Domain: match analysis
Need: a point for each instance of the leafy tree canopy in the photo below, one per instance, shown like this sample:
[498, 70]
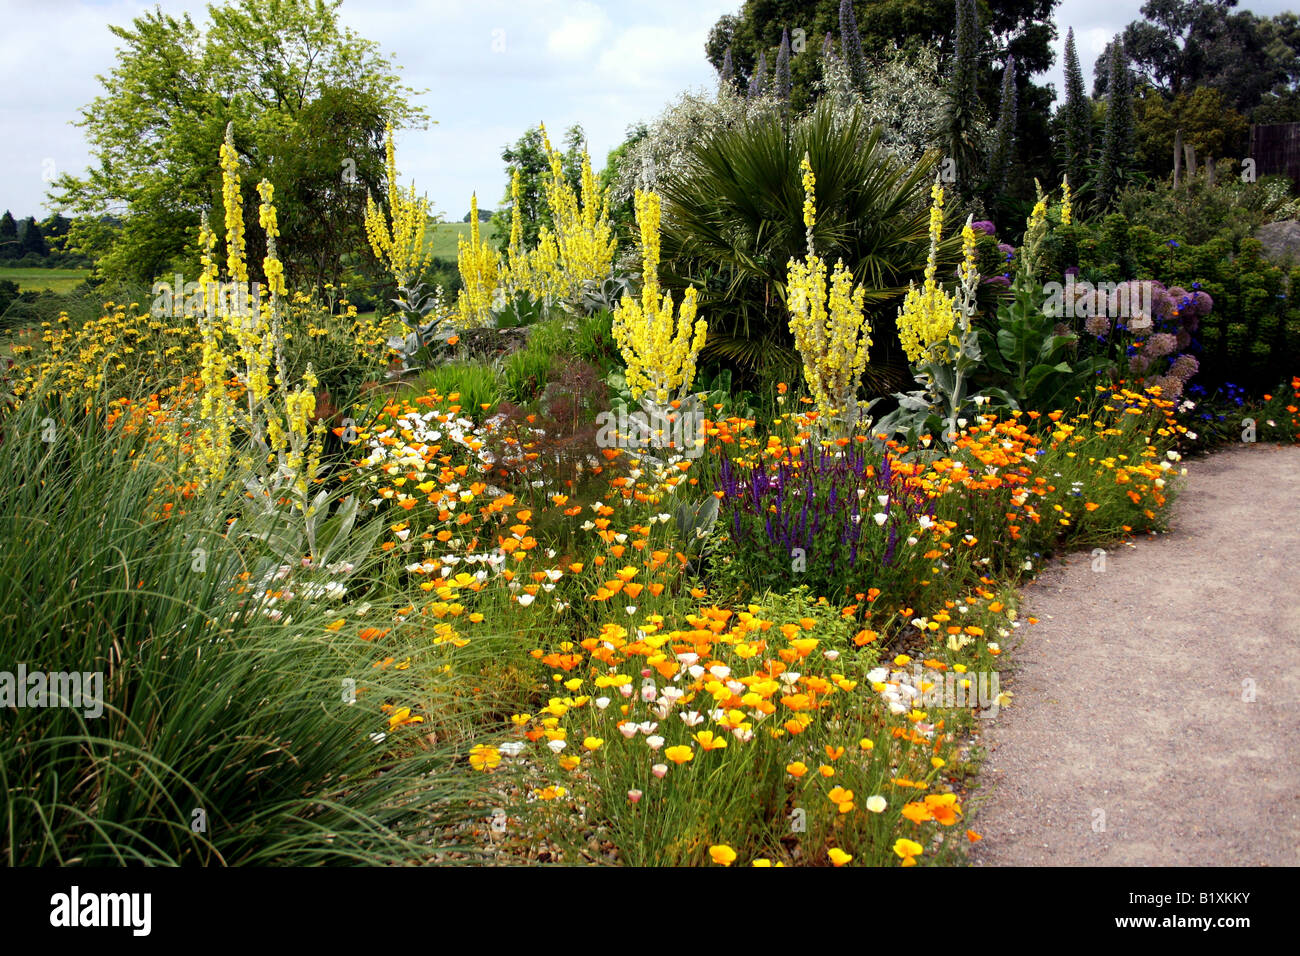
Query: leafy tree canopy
[309, 100]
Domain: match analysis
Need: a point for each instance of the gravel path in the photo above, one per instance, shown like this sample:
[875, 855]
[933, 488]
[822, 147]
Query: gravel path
[1128, 741]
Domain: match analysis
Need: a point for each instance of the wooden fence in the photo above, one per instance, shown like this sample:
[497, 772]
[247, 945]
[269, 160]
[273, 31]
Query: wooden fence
[1275, 147]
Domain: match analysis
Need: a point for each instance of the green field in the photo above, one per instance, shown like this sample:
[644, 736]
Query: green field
[444, 237]
[56, 280]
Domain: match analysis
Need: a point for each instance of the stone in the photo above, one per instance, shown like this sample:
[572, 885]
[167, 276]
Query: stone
[1281, 241]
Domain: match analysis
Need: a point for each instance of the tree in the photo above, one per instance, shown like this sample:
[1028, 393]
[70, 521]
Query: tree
[528, 155]
[8, 227]
[1000, 161]
[964, 107]
[1076, 118]
[1181, 44]
[30, 240]
[308, 98]
[1117, 146]
[1203, 118]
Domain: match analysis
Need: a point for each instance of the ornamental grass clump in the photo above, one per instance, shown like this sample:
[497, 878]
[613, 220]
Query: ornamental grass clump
[832, 335]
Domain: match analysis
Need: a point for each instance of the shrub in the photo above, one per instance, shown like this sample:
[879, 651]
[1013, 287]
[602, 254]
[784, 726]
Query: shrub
[733, 220]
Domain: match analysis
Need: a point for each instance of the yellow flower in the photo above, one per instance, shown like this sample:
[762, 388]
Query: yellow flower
[832, 334]
[838, 856]
[483, 757]
[907, 849]
[659, 351]
[592, 743]
[722, 854]
[680, 754]
[397, 237]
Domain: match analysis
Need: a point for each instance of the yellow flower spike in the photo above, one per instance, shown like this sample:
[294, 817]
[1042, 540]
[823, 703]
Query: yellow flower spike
[927, 315]
[832, 334]
[659, 351]
[480, 266]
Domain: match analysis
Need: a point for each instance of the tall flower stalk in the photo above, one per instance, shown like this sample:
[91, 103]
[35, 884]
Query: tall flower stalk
[659, 349]
[936, 330]
[283, 448]
[831, 332]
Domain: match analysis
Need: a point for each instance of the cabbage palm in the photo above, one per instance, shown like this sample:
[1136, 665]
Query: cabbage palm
[733, 219]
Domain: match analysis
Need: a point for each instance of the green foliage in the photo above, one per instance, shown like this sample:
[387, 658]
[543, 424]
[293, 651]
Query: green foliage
[1028, 361]
[526, 373]
[208, 704]
[1116, 160]
[1253, 332]
[477, 383]
[733, 219]
[1197, 212]
[1207, 123]
[308, 98]
[1076, 119]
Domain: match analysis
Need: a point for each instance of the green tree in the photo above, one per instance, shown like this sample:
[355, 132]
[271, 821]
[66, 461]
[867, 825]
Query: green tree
[1206, 121]
[31, 242]
[308, 98]
[1075, 118]
[8, 227]
[1181, 44]
[528, 155]
[1118, 139]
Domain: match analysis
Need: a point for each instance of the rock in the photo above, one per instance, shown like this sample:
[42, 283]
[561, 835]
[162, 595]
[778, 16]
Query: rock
[1281, 240]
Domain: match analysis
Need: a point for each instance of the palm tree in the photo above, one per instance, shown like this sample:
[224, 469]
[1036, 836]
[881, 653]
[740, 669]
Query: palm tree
[733, 219]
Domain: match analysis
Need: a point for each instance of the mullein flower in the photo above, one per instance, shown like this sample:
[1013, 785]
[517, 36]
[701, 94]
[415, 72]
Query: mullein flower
[480, 266]
[832, 334]
[927, 315]
[397, 237]
[660, 350]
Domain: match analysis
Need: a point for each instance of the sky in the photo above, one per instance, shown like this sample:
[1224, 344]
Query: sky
[491, 69]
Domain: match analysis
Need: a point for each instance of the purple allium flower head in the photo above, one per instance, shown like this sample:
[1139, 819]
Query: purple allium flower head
[1159, 345]
[984, 226]
[1098, 325]
[1184, 367]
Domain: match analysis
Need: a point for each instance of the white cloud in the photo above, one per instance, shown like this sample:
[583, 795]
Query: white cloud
[579, 33]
